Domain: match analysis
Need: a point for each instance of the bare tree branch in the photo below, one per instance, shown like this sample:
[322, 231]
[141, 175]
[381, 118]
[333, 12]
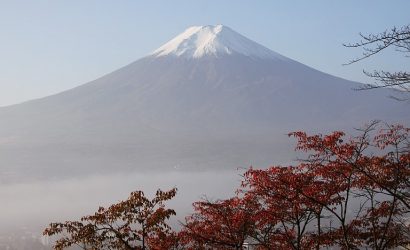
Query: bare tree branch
[397, 38]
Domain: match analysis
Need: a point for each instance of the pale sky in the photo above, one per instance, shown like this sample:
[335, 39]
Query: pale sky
[48, 46]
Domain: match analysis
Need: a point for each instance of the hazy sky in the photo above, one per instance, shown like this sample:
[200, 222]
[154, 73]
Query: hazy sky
[48, 46]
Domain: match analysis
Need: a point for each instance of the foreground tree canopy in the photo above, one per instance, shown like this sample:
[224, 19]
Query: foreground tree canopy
[136, 223]
[349, 193]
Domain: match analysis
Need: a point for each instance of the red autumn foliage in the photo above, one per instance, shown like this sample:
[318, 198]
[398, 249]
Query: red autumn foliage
[349, 193]
[284, 212]
[224, 224]
[136, 223]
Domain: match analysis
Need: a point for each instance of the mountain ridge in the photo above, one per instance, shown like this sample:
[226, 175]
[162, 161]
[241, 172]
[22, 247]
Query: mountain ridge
[209, 112]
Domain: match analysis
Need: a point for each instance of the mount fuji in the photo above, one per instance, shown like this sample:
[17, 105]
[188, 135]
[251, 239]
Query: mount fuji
[209, 98]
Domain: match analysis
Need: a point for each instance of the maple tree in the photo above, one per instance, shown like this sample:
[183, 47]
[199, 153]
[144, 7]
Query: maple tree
[349, 193]
[366, 178]
[283, 214]
[135, 223]
[224, 224]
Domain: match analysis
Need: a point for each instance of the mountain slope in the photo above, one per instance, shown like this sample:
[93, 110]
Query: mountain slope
[208, 98]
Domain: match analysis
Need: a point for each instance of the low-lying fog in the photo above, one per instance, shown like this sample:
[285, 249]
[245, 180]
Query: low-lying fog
[31, 206]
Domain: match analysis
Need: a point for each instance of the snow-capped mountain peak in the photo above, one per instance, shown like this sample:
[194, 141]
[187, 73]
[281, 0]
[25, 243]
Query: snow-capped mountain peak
[199, 41]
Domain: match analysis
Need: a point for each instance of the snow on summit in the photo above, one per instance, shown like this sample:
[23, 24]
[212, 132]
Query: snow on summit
[198, 41]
